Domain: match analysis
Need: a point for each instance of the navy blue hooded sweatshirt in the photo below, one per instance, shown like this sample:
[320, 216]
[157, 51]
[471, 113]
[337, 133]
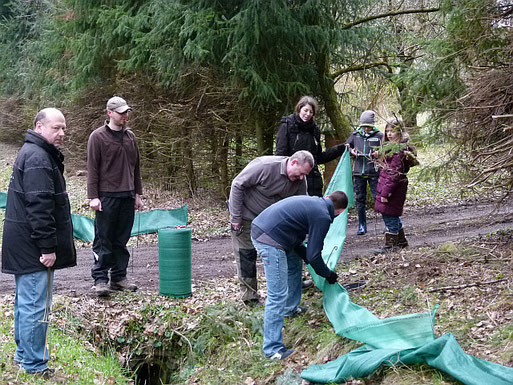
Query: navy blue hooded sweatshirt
[287, 223]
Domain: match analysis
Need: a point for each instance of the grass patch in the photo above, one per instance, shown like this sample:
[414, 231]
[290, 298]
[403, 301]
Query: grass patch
[75, 360]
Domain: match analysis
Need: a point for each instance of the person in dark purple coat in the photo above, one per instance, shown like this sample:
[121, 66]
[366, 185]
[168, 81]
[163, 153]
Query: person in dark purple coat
[397, 157]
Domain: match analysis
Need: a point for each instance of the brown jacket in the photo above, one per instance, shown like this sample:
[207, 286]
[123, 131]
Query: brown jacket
[112, 164]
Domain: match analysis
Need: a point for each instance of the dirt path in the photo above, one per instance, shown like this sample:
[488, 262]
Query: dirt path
[214, 259]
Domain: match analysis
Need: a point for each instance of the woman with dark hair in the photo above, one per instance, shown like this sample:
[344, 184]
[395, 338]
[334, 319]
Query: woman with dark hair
[299, 131]
[397, 157]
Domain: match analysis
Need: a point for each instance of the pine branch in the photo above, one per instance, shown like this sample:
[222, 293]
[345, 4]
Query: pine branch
[388, 14]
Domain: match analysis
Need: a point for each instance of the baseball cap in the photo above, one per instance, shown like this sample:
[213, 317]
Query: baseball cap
[118, 105]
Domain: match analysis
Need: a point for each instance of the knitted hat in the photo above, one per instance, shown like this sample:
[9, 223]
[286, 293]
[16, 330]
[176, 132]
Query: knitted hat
[368, 119]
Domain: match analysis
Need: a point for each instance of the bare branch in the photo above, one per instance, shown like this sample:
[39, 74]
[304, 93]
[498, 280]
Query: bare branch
[457, 287]
[389, 14]
[360, 68]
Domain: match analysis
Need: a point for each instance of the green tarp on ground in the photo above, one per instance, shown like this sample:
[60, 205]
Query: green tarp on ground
[402, 340]
[145, 222]
[443, 353]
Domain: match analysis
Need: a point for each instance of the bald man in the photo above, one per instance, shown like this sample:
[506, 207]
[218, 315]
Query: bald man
[38, 236]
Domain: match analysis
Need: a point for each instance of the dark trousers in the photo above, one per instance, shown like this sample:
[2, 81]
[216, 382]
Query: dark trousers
[112, 228]
[246, 256]
[314, 183]
[360, 192]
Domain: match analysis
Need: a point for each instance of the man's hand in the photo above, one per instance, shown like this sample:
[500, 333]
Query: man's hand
[47, 259]
[332, 278]
[138, 202]
[95, 204]
[235, 226]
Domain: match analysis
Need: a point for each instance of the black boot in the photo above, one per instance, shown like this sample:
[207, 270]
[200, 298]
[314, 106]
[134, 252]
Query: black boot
[362, 222]
[402, 242]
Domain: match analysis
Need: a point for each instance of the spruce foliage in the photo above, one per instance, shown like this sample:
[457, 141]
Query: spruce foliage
[261, 56]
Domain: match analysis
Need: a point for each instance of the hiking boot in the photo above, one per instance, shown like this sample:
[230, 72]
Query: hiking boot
[281, 354]
[307, 284]
[300, 310]
[391, 241]
[248, 289]
[45, 373]
[122, 285]
[402, 242]
[391, 245]
[253, 302]
[102, 289]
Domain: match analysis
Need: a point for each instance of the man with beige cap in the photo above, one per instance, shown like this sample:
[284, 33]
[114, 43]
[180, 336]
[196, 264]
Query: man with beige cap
[114, 187]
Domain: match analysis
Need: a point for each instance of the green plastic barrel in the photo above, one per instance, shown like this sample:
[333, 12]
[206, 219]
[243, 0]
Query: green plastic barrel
[175, 262]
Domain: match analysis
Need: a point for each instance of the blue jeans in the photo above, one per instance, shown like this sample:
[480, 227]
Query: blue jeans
[29, 310]
[393, 224]
[284, 280]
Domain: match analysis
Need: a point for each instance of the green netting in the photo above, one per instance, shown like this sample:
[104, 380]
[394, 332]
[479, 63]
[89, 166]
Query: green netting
[406, 339]
[3, 200]
[145, 222]
[175, 262]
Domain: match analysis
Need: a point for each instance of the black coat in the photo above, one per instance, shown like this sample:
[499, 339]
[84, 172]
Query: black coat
[295, 135]
[37, 216]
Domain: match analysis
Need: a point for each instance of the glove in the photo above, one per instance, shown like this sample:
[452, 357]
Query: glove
[332, 278]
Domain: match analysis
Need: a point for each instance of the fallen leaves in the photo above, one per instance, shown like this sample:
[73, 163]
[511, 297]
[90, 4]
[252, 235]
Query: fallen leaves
[471, 280]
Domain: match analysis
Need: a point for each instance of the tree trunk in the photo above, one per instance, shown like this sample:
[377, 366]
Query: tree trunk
[238, 153]
[223, 167]
[408, 113]
[190, 175]
[264, 135]
[329, 96]
[333, 109]
[214, 151]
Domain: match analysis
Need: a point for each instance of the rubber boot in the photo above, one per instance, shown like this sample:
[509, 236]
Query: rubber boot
[402, 242]
[362, 222]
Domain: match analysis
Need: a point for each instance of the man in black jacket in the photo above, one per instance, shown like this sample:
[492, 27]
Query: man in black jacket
[38, 235]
